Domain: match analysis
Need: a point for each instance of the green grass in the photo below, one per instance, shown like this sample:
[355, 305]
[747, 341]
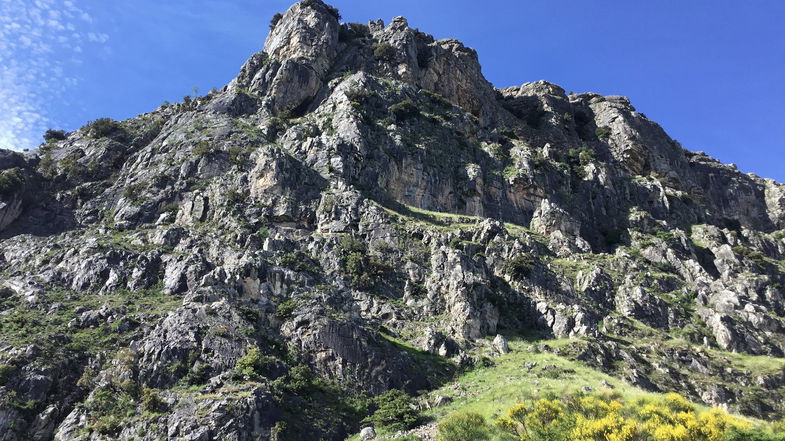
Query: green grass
[447, 221]
[437, 368]
[756, 363]
[490, 390]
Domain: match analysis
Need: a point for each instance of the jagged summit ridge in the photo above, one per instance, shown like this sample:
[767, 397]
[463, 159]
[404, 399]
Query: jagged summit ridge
[359, 211]
[297, 77]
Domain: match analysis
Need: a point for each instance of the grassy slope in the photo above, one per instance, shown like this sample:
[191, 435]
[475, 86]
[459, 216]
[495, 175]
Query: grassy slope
[492, 390]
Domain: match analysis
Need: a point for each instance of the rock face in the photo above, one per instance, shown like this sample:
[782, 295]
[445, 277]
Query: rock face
[240, 265]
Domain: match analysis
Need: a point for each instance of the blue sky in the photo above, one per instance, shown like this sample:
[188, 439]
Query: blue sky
[712, 73]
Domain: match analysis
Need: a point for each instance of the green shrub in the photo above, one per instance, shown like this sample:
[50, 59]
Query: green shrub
[73, 169]
[202, 148]
[581, 156]
[13, 400]
[350, 244]
[199, 374]
[133, 192]
[250, 364]
[54, 135]
[5, 372]
[404, 110]
[103, 127]
[10, 181]
[274, 21]
[351, 31]
[365, 270]
[235, 196]
[111, 405]
[263, 233]
[237, 156]
[357, 96]
[299, 262]
[463, 426]
[278, 430]
[603, 133]
[300, 379]
[286, 308]
[455, 243]
[519, 267]
[330, 9]
[393, 411]
[754, 256]
[107, 425]
[151, 400]
[383, 51]
[47, 166]
[666, 236]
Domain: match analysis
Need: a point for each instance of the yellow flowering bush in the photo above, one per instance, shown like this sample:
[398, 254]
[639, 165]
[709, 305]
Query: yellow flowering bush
[677, 403]
[611, 427]
[599, 417]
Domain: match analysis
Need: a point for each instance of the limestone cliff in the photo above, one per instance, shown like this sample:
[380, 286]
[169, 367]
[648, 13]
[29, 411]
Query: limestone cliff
[351, 214]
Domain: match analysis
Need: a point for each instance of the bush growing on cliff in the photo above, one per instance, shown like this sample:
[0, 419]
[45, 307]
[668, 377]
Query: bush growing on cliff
[286, 308]
[519, 267]
[330, 9]
[103, 127]
[351, 31]
[363, 269]
[10, 181]
[383, 51]
[581, 156]
[274, 21]
[54, 135]
[202, 148]
[603, 133]
[151, 400]
[250, 364]
[404, 110]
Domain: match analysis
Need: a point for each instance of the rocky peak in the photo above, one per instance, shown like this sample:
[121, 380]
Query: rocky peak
[307, 46]
[307, 33]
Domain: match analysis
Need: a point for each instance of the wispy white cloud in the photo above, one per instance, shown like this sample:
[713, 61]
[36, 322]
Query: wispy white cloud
[97, 37]
[39, 41]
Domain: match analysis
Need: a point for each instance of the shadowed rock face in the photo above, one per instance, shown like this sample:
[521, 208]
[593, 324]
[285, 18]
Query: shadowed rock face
[351, 214]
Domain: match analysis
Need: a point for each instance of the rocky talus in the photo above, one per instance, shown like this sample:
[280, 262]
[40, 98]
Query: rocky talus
[350, 215]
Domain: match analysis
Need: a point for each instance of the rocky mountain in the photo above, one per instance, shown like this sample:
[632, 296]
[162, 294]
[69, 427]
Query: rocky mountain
[360, 210]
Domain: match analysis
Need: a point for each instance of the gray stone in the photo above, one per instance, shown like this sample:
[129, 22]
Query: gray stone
[367, 433]
[500, 344]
